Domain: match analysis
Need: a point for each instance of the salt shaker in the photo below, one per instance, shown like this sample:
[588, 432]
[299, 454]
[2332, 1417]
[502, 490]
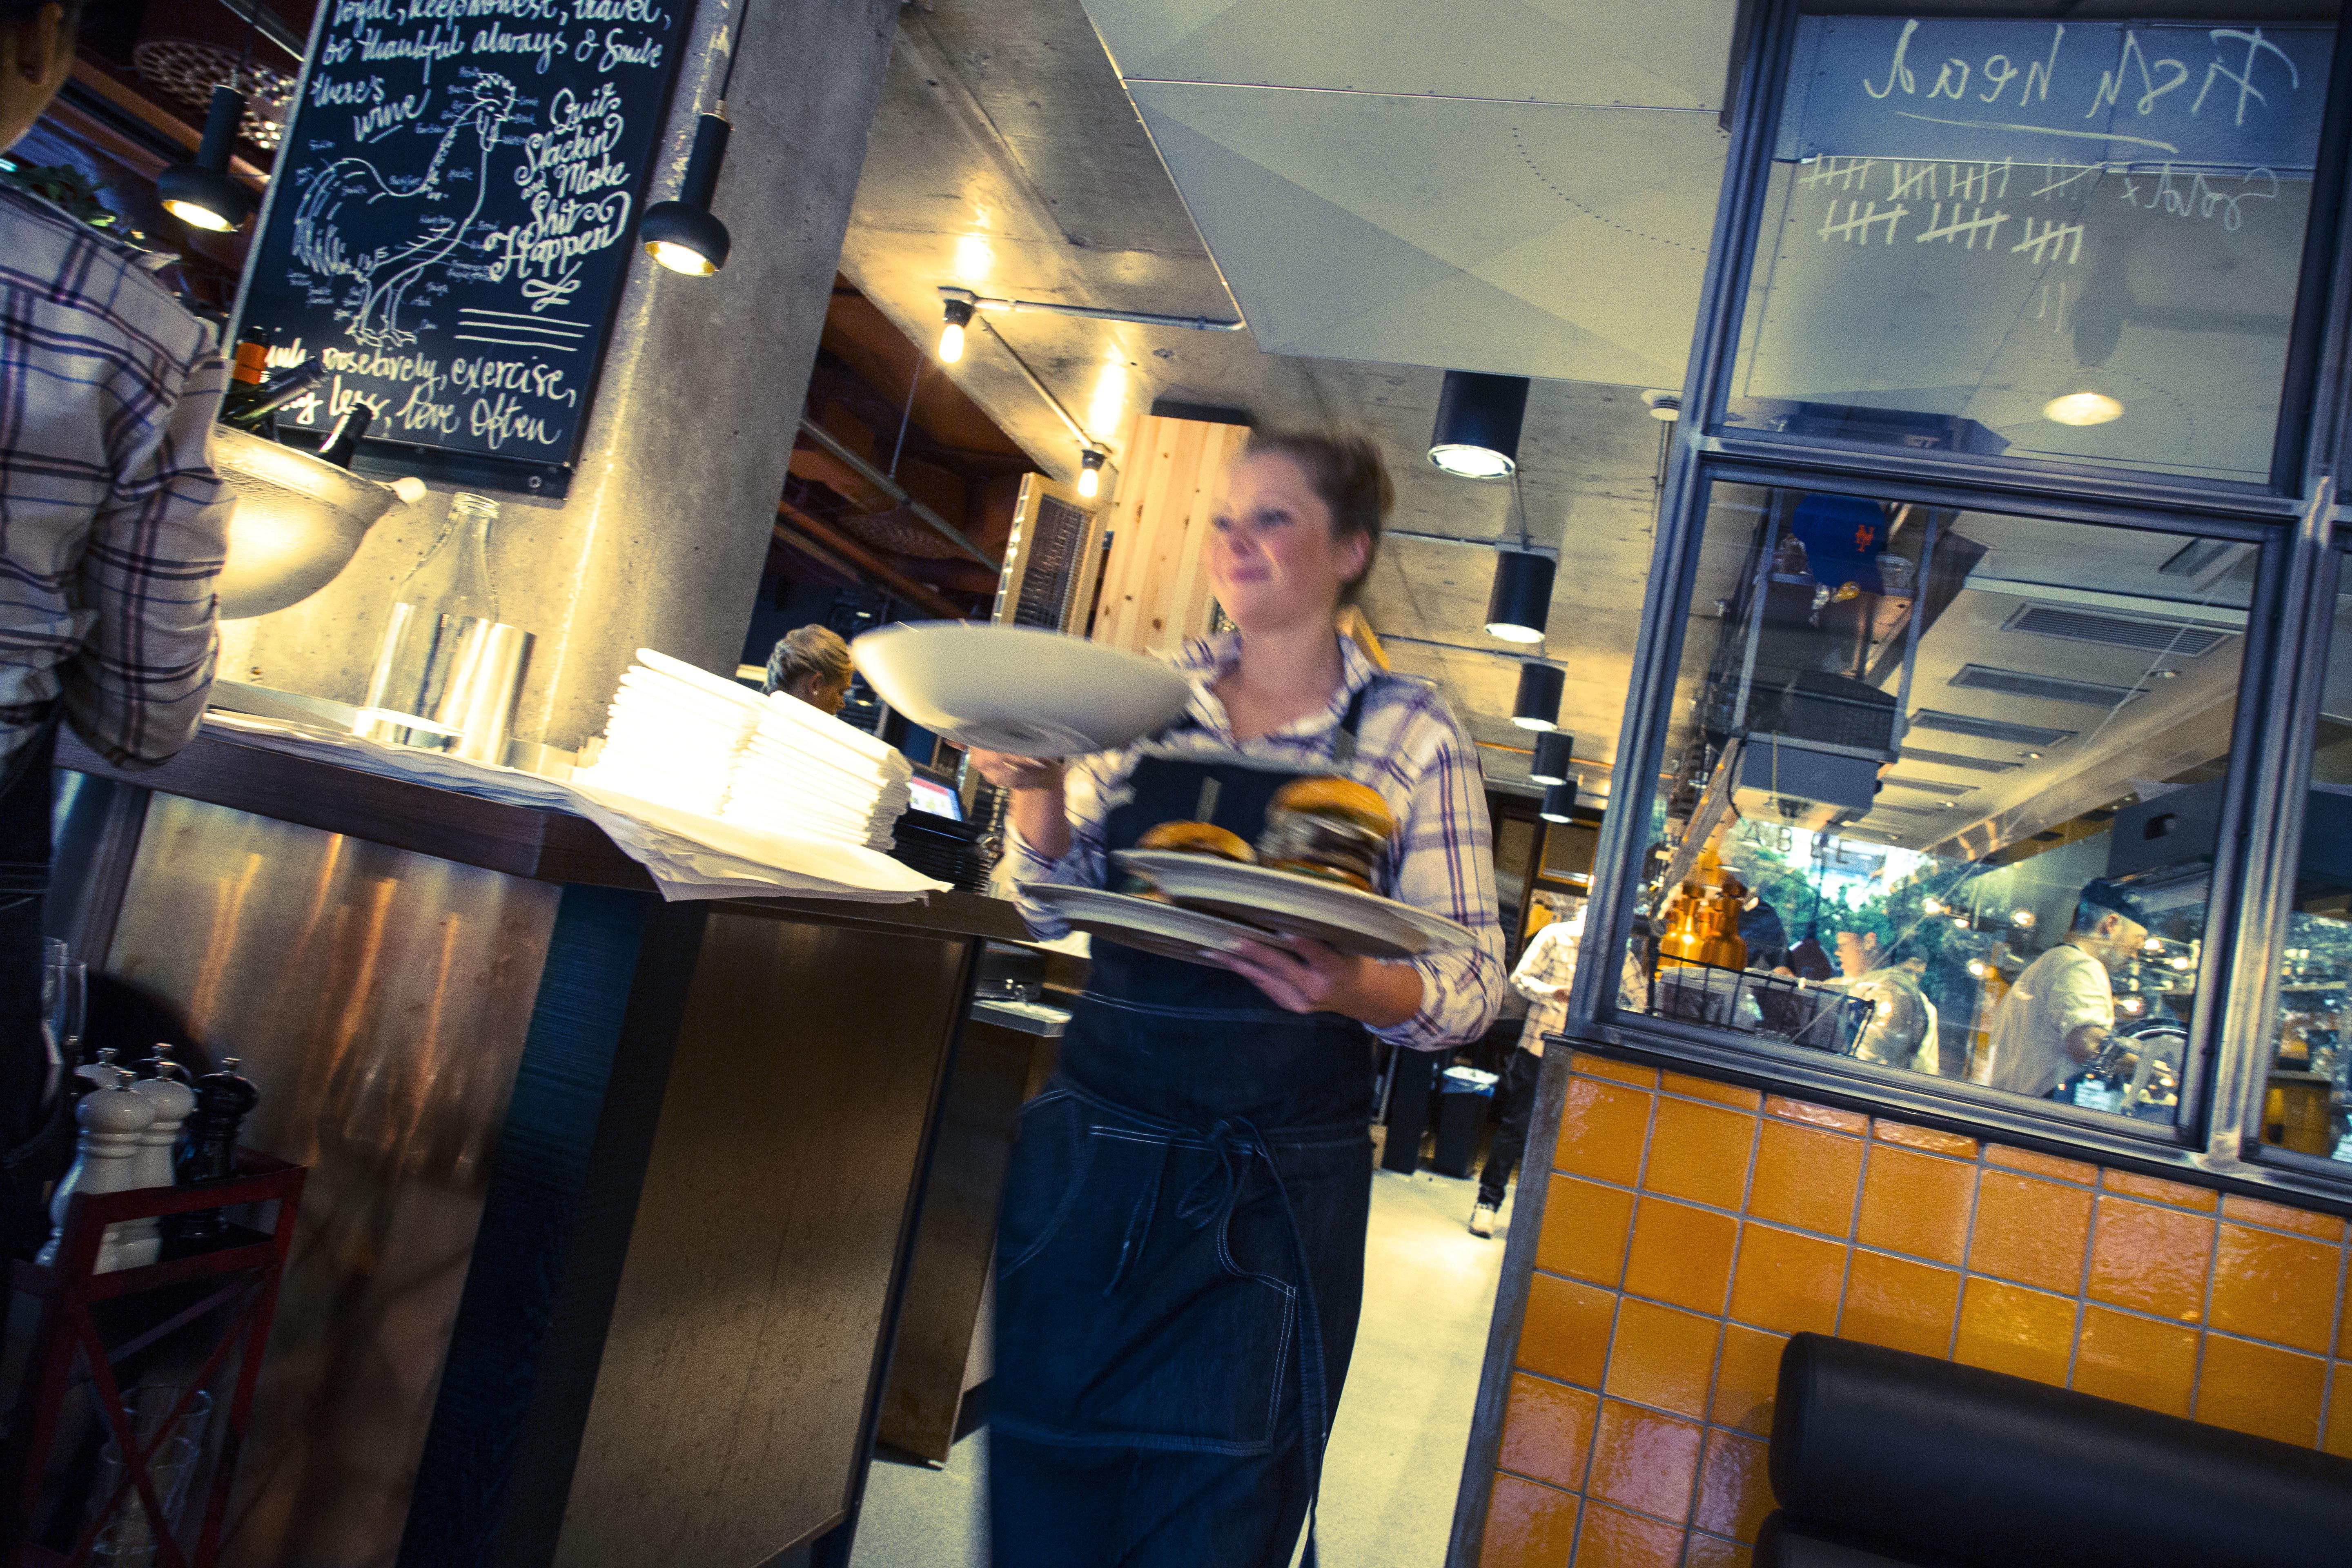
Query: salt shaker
[112, 1121]
[173, 1101]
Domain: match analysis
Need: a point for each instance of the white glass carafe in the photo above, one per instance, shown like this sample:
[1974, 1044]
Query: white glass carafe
[449, 671]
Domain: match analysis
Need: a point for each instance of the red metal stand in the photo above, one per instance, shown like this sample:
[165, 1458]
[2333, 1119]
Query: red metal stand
[69, 1339]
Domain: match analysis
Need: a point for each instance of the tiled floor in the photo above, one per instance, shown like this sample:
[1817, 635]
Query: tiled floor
[1396, 1452]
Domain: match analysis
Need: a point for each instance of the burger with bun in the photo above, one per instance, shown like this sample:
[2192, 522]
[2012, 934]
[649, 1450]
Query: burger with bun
[1197, 838]
[1329, 827]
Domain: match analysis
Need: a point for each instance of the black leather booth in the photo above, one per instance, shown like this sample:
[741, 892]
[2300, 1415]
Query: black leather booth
[1880, 1458]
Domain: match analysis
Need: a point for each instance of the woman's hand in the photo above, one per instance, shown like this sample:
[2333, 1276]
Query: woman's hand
[1007, 771]
[1302, 975]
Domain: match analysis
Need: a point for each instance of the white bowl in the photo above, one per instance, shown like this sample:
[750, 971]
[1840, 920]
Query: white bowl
[1016, 688]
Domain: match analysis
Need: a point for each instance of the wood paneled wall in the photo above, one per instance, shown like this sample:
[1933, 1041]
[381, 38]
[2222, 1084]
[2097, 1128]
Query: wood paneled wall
[1155, 592]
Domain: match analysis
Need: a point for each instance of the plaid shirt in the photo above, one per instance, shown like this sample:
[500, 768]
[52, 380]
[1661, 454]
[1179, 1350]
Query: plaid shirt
[112, 523]
[1548, 964]
[1410, 748]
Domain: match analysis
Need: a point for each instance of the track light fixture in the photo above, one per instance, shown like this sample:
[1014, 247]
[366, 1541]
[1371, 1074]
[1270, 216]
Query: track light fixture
[1520, 604]
[1478, 419]
[1090, 464]
[1552, 757]
[683, 234]
[1558, 803]
[1538, 706]
[202, 195]
[951, 334]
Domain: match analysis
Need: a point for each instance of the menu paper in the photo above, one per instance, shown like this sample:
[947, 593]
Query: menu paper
[455, 211]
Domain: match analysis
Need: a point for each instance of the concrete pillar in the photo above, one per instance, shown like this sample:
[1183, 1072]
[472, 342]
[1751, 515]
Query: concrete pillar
[660, 541]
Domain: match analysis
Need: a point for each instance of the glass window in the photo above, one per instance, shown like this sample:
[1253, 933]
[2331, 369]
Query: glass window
[1943, 792]
[2072, 240]
[2305, 1100]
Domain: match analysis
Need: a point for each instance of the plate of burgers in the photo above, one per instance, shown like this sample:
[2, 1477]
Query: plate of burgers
[1152, 924]
[1310, 874]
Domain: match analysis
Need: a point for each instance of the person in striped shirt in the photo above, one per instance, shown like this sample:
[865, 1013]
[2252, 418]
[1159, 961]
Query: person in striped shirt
[113, 529]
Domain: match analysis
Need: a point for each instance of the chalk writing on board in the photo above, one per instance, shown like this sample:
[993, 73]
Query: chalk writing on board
[454, 221]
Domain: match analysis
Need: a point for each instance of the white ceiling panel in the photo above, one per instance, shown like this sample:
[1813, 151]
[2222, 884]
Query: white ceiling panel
[1548, 51]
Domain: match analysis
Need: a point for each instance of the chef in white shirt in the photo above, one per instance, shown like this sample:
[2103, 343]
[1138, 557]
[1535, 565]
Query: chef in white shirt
[2062, 1008]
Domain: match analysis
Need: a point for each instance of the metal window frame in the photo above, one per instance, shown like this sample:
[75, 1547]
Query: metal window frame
[2283, 669]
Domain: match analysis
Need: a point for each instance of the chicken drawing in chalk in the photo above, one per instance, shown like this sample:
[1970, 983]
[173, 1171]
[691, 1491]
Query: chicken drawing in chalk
[353, 192]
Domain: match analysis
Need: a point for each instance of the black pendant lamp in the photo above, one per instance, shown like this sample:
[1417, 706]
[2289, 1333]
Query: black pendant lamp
[1478, 418]
[1538, 706]
[1558, 803]
[685, 235]
[1553, 749]
[1521, 603]
[202, 195]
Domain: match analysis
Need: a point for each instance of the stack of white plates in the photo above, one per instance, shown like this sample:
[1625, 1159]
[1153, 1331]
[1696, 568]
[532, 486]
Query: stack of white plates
[673, 741]
[804, 771]
[686, 738]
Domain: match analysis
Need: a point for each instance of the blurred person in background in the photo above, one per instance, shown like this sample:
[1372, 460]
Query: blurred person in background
[1903, 1027]
[2061, 1010]
[811, 663]
[1542, 976]
[113, 529]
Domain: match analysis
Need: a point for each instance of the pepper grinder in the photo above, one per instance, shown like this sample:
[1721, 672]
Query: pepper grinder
[223, 1101]
[173, 1100]
[112, 1121]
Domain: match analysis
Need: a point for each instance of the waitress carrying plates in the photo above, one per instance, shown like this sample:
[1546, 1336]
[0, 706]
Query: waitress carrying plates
[1180, 1253]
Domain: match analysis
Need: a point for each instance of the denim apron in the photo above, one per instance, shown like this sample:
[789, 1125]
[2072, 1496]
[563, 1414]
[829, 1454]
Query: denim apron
[1180, 1250]
[32, 1135]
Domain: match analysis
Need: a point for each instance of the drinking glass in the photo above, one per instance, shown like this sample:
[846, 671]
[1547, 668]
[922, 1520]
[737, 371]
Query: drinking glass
[65, 993]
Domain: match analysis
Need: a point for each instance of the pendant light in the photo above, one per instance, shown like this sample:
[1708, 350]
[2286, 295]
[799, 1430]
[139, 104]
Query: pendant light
[1090, 464]
[202, 195]
[1552, 757]
[951, 333]
[685, 235]
[1558, 803]
[1521, 602]
[1478, 419]
[1540, 686]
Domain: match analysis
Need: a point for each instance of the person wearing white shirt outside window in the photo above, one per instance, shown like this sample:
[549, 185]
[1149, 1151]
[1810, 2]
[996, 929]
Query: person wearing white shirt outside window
[2062, 1010]
[1542, 976]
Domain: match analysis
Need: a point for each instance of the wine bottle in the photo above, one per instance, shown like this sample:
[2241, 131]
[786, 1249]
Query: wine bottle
[343, 442]
[246, 408]
[251, 366]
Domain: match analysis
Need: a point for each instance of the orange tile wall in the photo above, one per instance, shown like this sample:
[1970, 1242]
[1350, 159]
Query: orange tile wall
[1691, 1226]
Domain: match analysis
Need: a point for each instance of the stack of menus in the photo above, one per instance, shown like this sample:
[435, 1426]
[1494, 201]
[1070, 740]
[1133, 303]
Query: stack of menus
[453, 215]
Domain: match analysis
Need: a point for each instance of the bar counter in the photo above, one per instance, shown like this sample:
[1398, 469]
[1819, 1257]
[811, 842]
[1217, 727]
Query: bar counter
[611, 1198]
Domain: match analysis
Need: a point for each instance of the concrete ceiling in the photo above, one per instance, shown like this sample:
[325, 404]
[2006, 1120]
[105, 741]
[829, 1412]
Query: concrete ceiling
[1008, 158]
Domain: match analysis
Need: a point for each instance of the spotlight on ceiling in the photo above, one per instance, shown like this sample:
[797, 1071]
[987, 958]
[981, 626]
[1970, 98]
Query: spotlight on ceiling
[1538, 706]
[1553, 749]
[1090, 463]
[202, 195]
[2083, 409]
[1478, 419]
[683, 234]
[1521, 603]
[951, 334]
[1664, 407]
[1558, 803]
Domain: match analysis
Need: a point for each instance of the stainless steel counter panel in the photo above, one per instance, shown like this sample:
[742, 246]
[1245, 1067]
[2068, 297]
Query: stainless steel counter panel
[379, 1001]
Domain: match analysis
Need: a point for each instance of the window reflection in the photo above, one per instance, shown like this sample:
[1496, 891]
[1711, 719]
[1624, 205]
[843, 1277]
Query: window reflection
[2064, 238]
[2305, 1103]
[1946, 792]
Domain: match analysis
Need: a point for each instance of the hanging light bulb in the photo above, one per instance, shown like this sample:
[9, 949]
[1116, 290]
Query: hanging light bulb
[1553, 749]
[1090, 463]
[1558, 803]
[1538, 706]
[683, 235]
[202, 195]
[1478, 420]
[951, 334]
[1520, 603]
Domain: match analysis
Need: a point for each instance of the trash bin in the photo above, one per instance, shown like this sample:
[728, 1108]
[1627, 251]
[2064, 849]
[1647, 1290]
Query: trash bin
[1462, 1105]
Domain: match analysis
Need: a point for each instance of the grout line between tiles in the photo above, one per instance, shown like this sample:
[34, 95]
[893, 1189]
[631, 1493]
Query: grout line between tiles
[1968, 1247]
[2328, 1411]
[2205, 1322]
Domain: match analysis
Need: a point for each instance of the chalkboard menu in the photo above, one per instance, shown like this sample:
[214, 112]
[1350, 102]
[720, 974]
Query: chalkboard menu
[455, 212]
